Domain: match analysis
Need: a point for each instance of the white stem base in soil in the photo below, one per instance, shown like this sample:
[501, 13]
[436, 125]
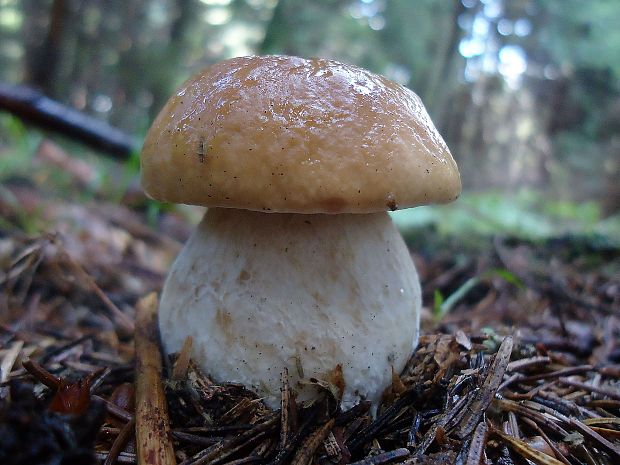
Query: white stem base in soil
[259, 292]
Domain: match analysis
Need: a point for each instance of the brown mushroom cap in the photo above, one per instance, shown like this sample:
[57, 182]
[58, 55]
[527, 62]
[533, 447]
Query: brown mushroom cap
[286, 134]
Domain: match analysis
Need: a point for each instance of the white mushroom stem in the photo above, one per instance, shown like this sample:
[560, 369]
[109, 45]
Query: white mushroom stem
[259, 292]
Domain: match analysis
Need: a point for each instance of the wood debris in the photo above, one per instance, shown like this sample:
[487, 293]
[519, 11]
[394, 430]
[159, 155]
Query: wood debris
[511, 375]
[153, 441]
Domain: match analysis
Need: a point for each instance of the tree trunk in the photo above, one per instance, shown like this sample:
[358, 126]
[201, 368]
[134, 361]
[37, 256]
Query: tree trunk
[43, 63]
[445, 55]
[272, 42]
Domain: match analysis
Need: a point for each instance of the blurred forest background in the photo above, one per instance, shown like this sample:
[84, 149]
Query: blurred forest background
[525, 92]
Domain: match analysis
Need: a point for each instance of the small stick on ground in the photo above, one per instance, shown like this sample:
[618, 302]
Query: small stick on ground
[478, 443]
[308, 448]
[527, 452]
[119, 443]
[179, 372]
[118, 317]
[152, 423]
[284, 411]
[558, 453]
[588, 387]
[41, 374]
[385, 457]
[484, 396]
[9, 360]
[114, 409]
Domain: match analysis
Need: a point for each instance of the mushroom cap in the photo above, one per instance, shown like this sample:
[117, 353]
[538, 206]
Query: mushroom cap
[293, 135]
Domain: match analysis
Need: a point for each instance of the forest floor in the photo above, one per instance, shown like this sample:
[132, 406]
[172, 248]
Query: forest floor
[519, 361]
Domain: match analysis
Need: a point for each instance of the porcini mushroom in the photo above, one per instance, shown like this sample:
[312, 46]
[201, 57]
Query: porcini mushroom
[296, 263]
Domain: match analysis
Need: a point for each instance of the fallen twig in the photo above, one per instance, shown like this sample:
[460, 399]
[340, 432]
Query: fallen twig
[386, 457]
[181, 365]
[590, 388]
[152, 424]
[306, 451]
[526, 451]
[41, 374]
[284, 410]
[120, 318]
[119, 443]
[477, 445]
[485, 395]
[9, 360]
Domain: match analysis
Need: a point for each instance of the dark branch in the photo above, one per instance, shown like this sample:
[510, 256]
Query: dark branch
[34, 107]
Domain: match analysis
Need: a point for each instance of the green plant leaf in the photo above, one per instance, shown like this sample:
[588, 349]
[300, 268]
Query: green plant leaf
[443, 306]
[506, 275]
[438, 300]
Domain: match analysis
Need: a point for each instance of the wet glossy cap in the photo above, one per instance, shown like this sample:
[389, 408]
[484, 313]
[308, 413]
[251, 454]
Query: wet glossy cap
[286, 134]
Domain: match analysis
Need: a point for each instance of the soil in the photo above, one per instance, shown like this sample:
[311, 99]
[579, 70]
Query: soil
[519, 361]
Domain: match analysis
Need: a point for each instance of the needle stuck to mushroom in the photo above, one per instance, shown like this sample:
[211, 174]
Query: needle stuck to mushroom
[296, 264]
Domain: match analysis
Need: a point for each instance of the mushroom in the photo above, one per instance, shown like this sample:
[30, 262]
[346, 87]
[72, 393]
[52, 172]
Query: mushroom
[296, 263]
